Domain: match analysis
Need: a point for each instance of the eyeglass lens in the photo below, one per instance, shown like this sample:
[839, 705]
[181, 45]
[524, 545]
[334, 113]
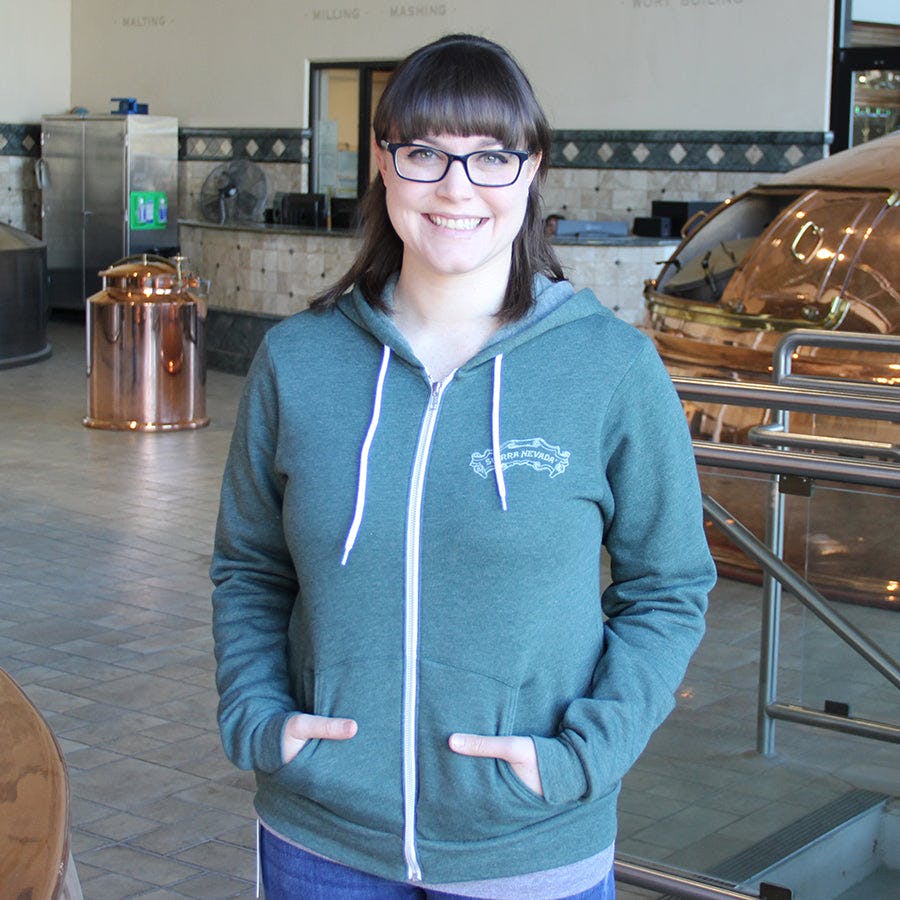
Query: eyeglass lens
[494, 168]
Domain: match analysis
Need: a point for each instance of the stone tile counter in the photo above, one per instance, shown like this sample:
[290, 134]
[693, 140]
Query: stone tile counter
[265, 269]
[258, 274]
[615, 269]
[261, 273]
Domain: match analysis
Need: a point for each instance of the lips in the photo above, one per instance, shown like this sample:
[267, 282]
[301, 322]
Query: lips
[469, 223]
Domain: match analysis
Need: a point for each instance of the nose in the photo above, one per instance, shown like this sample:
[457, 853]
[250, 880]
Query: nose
[456, 182]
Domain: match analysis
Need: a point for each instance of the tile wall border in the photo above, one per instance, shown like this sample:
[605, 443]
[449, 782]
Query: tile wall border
[734, 151]
[20, 140]
[288, 145]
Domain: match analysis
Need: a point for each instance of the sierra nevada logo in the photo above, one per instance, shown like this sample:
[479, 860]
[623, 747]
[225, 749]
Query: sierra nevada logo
[533, 452]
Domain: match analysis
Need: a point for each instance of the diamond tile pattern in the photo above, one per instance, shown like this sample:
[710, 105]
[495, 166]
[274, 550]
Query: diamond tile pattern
[570, 151]
[659, 150]
[736, 151]
[260, 145]
[20, 140]
[677, 154]
[753, 154]
[715, 154]
[793, 155]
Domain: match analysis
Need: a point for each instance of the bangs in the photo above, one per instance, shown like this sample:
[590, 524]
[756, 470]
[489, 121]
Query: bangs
[463, 90]
[455, 109]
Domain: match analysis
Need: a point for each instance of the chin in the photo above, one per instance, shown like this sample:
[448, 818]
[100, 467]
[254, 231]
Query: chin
[457, 267]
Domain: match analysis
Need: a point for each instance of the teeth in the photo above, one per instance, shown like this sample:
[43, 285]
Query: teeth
[455, 224]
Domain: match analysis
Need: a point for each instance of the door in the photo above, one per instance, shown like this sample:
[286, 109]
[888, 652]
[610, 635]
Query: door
[62, 201]
[104, 197]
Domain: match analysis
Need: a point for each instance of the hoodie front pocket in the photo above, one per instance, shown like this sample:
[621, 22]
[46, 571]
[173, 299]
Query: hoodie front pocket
[464, 798]
[357, 780]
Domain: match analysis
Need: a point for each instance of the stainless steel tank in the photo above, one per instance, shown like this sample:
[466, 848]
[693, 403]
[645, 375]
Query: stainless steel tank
[24, 303]
[146, 361]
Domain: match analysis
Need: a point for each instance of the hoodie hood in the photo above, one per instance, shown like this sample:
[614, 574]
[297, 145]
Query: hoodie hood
[556, 304]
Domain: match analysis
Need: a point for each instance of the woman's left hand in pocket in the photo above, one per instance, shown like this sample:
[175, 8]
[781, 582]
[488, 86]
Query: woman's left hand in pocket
[519, 752]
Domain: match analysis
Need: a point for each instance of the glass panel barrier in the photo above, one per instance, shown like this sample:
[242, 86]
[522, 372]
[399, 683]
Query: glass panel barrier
[701, 800]
[852, 555]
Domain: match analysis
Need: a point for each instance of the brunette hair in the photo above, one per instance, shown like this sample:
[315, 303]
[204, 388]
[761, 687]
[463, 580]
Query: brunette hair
[463, 85]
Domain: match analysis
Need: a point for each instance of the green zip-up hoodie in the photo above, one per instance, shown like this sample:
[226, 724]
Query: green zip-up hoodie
[373, 562]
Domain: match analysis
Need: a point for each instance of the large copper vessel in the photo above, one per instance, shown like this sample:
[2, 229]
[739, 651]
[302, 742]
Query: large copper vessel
[146, 363]
[34, 801]
[818, 247]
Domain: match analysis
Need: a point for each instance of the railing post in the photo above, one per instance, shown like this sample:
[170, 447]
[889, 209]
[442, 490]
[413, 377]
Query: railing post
[771, 613]
[771, 618]
[830, 396]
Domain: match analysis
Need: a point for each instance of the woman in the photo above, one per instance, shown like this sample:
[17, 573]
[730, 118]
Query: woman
[407, 613]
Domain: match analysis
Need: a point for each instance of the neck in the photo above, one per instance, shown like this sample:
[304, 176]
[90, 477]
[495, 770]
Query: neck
[448, 300]
[446, 320]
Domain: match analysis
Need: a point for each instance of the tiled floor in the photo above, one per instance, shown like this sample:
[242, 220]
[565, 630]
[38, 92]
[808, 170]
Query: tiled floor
[104, 621]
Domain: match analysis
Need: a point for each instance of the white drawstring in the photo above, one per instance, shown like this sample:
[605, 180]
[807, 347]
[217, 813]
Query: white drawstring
[495, 431]
[364, 459]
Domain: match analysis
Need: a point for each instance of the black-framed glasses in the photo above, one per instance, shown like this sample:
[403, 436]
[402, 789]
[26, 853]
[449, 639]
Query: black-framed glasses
[484, 168]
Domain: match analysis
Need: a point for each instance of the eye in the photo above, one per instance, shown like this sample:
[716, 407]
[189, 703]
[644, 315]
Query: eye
[421, 154]
[494, 158]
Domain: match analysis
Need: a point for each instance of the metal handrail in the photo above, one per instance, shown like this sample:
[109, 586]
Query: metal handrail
[878, 401]
[839, 385]
[776, 436]
[782, 362]
[788, 462]
[845, 340]
[808, 394]
[797, 393]
[687, 888]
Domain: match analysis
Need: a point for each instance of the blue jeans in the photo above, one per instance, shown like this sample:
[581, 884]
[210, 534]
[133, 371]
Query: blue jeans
[290, 873]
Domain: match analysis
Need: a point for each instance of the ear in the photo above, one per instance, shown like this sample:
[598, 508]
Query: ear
[534, 165]
[382, 157]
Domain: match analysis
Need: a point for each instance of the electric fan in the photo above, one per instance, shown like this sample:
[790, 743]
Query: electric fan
[234, 192]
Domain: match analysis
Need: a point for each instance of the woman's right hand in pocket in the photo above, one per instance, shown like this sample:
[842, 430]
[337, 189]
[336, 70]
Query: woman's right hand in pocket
[303, 727]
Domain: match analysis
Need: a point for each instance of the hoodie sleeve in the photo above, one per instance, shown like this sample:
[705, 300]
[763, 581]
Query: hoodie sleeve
[661, 575]
[255, 583]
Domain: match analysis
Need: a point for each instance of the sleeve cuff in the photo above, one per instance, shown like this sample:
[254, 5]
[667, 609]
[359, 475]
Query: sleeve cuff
[562, 774]
[268, 744]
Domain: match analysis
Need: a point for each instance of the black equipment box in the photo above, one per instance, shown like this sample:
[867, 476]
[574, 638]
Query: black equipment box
[680, 211]
[652, 226]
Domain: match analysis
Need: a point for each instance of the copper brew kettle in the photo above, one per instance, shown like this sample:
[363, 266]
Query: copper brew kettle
[146, 363]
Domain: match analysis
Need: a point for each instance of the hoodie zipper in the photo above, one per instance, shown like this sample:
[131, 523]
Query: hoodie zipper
[411, 627]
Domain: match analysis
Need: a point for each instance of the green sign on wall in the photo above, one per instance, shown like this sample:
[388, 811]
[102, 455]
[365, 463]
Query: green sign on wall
[149, 209]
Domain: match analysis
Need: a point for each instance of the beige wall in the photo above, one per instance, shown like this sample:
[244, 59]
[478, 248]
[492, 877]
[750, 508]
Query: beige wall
[616, 64]
[35, 59]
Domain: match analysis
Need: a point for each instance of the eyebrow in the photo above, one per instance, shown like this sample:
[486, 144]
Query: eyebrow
[489, 143]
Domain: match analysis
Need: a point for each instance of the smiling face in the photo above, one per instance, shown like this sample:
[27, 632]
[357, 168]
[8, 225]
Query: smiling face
[452, 227]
